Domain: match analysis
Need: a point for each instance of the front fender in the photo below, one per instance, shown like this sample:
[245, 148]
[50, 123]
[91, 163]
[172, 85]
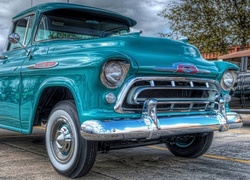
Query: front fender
[30, 104]
[222, 66]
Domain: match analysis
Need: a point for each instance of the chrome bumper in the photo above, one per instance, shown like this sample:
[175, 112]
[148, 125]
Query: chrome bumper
[149, 126]
[144, 128]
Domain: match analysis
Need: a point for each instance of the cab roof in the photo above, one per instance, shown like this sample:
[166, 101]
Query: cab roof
[46, 7]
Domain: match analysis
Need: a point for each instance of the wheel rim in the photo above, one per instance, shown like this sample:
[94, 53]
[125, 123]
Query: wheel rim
[185, 143]
[62, 141]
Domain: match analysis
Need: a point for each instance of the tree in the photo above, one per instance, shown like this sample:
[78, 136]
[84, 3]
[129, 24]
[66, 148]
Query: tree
[211, 25]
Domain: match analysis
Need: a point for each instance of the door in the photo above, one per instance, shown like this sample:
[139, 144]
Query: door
[10, 75]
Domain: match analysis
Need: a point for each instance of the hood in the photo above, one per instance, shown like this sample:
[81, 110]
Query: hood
[155, 55]
[166, 55]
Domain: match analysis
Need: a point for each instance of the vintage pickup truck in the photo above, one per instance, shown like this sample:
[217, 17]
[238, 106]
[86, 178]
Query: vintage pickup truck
[97, 85]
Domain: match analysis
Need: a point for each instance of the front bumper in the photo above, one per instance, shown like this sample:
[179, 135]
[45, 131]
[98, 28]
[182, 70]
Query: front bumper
[149, 126]
[144, 128]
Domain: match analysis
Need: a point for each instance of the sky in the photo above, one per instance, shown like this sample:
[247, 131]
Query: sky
[143, 11]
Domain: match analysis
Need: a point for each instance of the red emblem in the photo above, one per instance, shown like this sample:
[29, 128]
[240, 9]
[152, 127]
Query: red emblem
[43, 65]
[186, 68]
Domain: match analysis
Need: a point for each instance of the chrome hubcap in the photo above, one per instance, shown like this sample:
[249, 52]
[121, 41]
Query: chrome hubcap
[62, 140]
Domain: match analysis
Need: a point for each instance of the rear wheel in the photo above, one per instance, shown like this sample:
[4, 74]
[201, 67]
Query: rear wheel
[191, 146]
[69, 153]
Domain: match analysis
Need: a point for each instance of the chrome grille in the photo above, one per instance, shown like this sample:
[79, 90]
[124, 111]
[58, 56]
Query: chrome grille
[172, 94]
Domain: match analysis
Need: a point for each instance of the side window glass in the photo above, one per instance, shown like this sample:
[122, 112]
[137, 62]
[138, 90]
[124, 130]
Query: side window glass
[23, 27]
[29, 30]
[42, 32]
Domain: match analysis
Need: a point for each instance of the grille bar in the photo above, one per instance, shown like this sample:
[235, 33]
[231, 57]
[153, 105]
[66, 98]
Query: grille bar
[182, 102]
[171, 94]
[138, 94]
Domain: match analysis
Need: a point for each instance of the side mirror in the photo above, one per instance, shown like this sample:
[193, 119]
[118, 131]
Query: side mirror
[14, 38]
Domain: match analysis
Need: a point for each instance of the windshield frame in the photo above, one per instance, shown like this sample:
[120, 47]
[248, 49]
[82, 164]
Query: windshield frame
[93, 25]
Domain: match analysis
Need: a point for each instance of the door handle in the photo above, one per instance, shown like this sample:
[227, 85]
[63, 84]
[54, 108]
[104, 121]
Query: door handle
[3, 57]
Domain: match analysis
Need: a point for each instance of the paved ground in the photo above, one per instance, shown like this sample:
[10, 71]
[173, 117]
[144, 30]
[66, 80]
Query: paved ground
[24, 157]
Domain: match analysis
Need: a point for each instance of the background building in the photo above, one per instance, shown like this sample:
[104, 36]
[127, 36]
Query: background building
[216, 55]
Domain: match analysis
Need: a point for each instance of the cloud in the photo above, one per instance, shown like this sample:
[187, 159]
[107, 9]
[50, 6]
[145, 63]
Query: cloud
[144, 12]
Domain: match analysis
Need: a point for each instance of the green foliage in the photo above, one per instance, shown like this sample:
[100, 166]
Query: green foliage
[211, 25]
[65, 35]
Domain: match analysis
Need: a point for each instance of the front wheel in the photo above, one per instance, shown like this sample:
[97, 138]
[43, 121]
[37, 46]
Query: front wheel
[69, 153]
[191, 146]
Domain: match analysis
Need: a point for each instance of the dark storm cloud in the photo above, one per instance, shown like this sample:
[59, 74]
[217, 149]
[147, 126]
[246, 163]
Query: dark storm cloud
[144, 12]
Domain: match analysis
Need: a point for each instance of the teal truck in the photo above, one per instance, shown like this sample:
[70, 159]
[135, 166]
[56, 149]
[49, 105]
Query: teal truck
[96, 84]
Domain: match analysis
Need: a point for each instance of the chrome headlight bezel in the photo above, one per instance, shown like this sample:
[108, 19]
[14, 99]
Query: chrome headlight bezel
[114, 72]
[228, 80]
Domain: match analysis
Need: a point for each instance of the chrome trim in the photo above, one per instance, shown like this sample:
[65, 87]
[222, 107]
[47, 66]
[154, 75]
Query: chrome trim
[146, 128]
[172, 83]
[177, 101]
[149, 110]
[164, 69]
[152, 83]
[134, 93]
[203, 71]
[233, 120]
[173, 69]
[222, 110]
[126, 87]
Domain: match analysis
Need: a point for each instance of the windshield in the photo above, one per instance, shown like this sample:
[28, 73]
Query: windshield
[77, 25]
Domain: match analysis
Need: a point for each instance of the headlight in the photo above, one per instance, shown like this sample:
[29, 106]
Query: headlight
[113, 73]
[228, 80]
